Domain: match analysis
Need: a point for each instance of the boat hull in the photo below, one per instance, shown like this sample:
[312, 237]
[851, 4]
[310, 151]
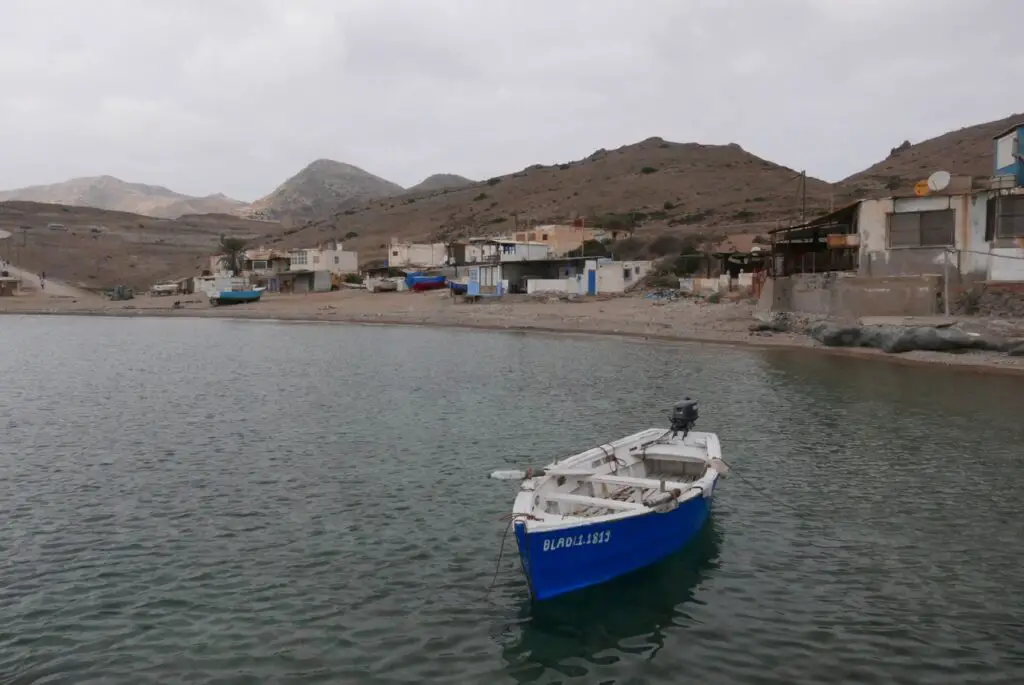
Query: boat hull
[564, 560]
[420, 286]
[418, 282]
[237, 296]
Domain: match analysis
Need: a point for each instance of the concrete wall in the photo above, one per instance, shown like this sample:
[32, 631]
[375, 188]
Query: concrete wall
[425, 255]
[843, 295]
[999, 299]
[610, 279]
[692, 284]
[572, 286]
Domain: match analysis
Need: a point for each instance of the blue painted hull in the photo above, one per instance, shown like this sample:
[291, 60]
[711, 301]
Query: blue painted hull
[561, 561]
[238, 296]
[418, 281]
[458, 288]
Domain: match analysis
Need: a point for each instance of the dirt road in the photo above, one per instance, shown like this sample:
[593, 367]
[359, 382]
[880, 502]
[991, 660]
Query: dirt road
[30, 281]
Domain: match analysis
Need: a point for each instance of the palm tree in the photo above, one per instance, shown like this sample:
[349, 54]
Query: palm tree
[232, 254]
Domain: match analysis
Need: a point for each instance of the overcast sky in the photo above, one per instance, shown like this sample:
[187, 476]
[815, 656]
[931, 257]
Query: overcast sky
[234, 96]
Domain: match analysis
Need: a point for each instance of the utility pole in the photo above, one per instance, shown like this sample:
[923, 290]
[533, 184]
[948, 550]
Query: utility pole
[803, 199]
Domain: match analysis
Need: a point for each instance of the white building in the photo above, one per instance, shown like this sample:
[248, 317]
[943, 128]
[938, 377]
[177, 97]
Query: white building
[481, 250]
[419, 255]
[328, 257]
[574, 276]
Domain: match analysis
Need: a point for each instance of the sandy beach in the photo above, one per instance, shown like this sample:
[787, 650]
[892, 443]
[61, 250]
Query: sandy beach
[632, 316]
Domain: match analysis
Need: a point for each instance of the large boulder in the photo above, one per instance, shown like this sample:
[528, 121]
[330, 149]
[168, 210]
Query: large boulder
[833, 335]
[899, 339]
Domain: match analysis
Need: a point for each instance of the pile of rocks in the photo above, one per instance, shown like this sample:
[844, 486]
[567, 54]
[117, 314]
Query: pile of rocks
[892, 339]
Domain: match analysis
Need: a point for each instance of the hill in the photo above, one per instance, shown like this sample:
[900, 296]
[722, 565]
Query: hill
[967, 151]
[656, 185]
[319, 189]
[94, 248]
[439, 182]
[108, 192]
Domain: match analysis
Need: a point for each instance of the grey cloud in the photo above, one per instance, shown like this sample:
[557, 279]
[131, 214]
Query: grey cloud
[235, 95]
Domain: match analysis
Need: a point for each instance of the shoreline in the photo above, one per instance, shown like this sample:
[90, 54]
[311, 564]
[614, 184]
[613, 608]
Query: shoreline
[977, 362]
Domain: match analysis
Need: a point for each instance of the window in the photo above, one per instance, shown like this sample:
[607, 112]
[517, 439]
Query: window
[259, 265]
[544, 236]
[337, 259]
[316, 259]
[1010, 217]
[394, 253]
[922, 229]
[299, 257]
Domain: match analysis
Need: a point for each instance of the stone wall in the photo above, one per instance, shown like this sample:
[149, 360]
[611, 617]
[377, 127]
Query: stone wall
[997, 299]
[846, 295]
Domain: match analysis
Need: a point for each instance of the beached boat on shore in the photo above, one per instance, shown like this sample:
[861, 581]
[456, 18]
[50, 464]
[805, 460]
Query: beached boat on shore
[616, 508]
[419, 281]
[236, 296]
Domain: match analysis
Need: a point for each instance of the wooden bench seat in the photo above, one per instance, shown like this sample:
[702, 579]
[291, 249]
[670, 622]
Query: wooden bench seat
[595, 502]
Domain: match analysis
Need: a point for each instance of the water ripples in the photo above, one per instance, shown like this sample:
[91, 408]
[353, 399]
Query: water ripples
[233, 502]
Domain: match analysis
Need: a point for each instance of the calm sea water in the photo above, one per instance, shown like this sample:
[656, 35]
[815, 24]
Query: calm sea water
[240, 502]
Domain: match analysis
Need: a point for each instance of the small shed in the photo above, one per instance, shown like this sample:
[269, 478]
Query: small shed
[9, 286]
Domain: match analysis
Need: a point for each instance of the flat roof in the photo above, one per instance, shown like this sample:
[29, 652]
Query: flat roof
[1018, 125]
[806, 230]
[547, 260]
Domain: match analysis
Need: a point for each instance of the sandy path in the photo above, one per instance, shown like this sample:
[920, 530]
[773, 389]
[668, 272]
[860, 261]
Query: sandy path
[30, 282]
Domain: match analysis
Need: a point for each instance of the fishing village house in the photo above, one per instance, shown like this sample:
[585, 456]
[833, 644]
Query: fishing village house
[296, 270]
[497, 266]
[735, 264]
[563, 239]
[956, 244]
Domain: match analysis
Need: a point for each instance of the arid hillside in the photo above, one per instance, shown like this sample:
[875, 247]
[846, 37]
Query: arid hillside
[657, 187]
[439, 182]
[655, 184]
[968, 151]
[319, 189]
[107, 192]
[94, 248]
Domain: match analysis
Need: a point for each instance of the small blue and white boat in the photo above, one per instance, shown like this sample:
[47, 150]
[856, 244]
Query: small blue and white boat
[616, 508]
[237, 296]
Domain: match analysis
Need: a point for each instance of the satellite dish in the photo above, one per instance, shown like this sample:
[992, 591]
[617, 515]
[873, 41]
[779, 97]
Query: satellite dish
[4, 235]
[938, 181]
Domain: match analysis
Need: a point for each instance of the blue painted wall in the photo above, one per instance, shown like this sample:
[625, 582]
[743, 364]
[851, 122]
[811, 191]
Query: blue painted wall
[1012, 167]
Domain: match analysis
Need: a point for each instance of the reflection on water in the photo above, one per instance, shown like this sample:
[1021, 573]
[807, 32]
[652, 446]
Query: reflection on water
[630, 614]
[308, 504]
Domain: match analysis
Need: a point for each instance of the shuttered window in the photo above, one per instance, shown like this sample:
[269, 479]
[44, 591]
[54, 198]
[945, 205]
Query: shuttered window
[922, 229]
[1010, 219]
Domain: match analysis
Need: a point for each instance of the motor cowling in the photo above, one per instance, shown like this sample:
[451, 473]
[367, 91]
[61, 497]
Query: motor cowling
[684, 416]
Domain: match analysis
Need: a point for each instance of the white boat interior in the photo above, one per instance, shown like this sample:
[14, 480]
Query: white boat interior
[654, 469]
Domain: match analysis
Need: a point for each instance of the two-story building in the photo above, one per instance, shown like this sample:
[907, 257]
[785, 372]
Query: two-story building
[911, 254]
[330, 257]
[488, 250]
[565, 238]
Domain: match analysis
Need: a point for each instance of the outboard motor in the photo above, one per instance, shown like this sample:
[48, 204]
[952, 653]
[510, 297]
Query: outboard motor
[684, 416]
